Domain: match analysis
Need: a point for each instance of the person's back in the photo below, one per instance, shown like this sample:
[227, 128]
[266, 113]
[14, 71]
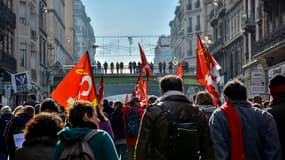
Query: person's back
[257, 136]
[277, 107]
[83, 120]
[163, 121]
[40, 137]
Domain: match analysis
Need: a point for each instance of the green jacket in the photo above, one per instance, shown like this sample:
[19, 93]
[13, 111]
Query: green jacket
[102, 144]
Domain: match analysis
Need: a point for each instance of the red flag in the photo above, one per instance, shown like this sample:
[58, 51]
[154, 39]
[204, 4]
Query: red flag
[137, 90]
[100, 96]
[78, 84]
[180, 71]
[207, 70]
[143, 96]
[126, 99]
[145, 65]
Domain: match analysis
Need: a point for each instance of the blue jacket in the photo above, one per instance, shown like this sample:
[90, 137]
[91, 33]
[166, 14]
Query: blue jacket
[101, 144]
[260, 136]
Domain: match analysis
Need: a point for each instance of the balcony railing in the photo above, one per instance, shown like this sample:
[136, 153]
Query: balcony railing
[8, 61]
[8, 18]
[216, 46]
[248, 24]
[270, 40]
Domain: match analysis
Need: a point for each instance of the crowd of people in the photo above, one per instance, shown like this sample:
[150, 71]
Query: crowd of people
[171, 126]
[134, 67]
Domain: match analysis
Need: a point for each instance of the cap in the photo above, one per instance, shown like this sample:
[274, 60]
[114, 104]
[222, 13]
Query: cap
[6, 110]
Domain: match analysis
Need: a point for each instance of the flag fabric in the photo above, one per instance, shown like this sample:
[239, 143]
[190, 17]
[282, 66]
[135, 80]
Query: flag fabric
[140, 90]
[126, 99]
[180, 71]
[78, 84]
[145, 65]
[175, 61]
[100, 96]
[207, 70]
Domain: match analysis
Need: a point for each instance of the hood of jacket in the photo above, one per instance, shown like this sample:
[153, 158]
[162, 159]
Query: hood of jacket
[72, 134]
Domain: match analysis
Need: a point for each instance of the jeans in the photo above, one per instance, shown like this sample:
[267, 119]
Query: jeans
[122, 151]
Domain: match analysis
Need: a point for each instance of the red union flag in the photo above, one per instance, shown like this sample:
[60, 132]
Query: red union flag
[145, 65]
[207, 70]
[78, 84]
[180, 71]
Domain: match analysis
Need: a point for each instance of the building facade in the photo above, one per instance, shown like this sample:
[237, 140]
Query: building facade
[162, 52]
[83, 37]
[8, 63]
[188, 22]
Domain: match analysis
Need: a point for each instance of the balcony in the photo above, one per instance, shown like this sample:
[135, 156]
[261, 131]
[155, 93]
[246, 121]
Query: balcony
[217, 46]
[7, 19]
[8, 61]
[248, 24]
[270, 41]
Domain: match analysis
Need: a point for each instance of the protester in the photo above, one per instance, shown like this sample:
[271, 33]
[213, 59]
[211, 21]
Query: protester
[204, 101]
[40, 137]
[22, 115]
[277, 107]
[107, 108]
[49, 105]
[104, 123]
[118, 129]
[240, 131]
[155, 140]
[83, 119]
[132, 115]
[7, 145]
[31, 100]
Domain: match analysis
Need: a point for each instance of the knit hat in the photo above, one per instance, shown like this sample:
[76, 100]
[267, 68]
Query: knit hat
[6, 110]
[277, 85]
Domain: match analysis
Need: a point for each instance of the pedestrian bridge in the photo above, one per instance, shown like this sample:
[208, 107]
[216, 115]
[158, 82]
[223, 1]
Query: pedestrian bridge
[124, 83]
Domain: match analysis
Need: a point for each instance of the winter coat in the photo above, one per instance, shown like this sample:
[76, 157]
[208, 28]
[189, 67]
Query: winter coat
[153, 133]
[278, 112]
[259, 133]
[101, 144]
[37, 148]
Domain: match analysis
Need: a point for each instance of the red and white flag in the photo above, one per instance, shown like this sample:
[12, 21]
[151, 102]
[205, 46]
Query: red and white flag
[207, 70]
[78, 84]
[145, 65]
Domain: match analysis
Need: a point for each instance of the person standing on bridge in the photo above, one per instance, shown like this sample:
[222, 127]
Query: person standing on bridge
[131, 67]
[112, 67]
[117, 67]
[105, 67]
[121, 67]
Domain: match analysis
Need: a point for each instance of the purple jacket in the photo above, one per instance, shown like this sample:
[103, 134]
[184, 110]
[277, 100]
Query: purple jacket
[106, 126]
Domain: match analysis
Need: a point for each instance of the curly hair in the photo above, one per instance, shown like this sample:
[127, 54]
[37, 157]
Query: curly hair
[43, 124]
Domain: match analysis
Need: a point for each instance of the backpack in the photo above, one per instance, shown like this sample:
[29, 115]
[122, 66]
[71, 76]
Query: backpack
[5, 125]
[133, 122]
[183, 137]
[79, 150]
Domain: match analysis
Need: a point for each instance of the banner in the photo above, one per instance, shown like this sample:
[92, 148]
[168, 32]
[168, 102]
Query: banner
[21, 82]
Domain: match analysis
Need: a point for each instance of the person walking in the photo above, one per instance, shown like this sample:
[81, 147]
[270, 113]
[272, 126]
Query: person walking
[240, 131]
[277, 107]
[83, 120]
[160, 139]
[40, 137]
[205, 102]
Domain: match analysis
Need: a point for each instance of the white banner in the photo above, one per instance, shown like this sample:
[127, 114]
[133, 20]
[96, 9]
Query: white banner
[21, 82]
[257, 82]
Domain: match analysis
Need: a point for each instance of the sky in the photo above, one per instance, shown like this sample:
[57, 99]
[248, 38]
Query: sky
[124, 18]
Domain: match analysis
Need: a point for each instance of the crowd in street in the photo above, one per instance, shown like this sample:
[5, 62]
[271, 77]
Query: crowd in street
[171, 126]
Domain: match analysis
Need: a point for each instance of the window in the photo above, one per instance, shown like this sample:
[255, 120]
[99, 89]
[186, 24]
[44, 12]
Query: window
[189, 7]
[197, 4]
[198, 23]
[23, 12]
[189, 30]
[23, 55]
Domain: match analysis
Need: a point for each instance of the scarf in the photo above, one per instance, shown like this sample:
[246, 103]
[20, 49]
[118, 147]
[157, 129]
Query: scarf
[237, 149]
